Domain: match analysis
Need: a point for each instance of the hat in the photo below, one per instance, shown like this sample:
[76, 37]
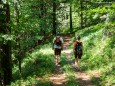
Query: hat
[58, 33]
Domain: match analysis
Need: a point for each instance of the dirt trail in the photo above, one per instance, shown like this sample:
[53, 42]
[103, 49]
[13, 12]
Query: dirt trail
[59, 79]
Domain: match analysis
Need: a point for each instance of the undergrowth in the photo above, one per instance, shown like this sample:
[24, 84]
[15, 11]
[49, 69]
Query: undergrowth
[36, 64]
[98, 53]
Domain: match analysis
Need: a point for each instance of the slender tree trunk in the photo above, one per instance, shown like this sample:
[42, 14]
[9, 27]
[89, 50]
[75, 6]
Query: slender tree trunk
[43, 11]
[0, 52]
[20, 58]
[85, 20]
[54, 17]
[71, 28]
[16, 3]
[6, 50]
[81, 13]
[17, 10]
[45, 14]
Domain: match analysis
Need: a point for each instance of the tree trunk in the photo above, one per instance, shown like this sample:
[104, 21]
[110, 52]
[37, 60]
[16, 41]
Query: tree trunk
[43, 11]
[71, 28]
[16, 3]
[0, 51]
[81, 13]
[6, 62]
[54, 17]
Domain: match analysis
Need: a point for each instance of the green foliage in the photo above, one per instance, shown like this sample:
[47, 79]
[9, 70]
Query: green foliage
[107, 75]
[37, 64]
[28, 27]
[98, 13]
[2, 16]
[99, 51]
[32, 81]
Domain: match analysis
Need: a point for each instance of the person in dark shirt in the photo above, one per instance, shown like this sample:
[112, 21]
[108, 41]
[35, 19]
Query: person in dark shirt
[78, 51]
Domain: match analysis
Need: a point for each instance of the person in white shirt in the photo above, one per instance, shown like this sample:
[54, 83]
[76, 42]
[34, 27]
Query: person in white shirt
[57, 47]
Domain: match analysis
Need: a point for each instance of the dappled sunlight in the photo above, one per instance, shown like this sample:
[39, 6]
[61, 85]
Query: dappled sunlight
[83, 76]
[91, 35]
[58, 79]
[67, 51]
[84, 79]
[38, 63]
[92, 46]
[46, 51]
[94, 73]
[33, 32]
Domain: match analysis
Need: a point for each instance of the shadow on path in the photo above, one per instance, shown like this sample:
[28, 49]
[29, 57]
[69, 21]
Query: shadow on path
[58, 78]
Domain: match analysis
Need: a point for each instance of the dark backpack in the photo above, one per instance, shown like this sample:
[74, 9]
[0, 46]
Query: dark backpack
[58, 41]
[78, 48]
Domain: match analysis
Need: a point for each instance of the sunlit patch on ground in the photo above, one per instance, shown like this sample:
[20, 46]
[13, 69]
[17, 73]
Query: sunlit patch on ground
[58, 79]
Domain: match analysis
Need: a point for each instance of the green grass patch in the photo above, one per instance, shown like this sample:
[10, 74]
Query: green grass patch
[36, 64]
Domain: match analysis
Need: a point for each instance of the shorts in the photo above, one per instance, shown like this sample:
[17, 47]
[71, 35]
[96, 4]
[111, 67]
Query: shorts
[78, 56]
[57, 51]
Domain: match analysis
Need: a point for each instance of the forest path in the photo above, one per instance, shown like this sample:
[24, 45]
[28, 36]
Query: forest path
[59, 78]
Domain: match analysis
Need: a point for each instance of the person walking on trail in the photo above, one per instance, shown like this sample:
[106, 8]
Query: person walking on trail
[78, 51]
[57, 47]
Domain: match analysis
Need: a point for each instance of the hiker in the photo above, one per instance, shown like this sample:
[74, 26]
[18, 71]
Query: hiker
[57, 47]
[78, 51]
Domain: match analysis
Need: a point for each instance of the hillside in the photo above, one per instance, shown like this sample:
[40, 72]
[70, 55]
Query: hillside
[97, 63]
[99, 54]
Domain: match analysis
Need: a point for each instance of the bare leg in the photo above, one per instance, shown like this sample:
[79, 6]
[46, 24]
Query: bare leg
[59, 58]
[56, 59]
[78, 63]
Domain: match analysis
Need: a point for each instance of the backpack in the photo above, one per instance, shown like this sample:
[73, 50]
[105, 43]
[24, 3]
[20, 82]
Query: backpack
[58, 41]
[78, 48]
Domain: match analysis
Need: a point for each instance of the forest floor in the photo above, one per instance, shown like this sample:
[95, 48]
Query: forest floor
[59, 78]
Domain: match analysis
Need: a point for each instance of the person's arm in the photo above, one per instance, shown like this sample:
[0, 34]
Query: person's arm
[62, 43]
[53, 44]
[62, 46]
[82, 47]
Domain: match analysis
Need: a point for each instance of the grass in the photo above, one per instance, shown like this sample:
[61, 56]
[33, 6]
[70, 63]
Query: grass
[36, 64]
